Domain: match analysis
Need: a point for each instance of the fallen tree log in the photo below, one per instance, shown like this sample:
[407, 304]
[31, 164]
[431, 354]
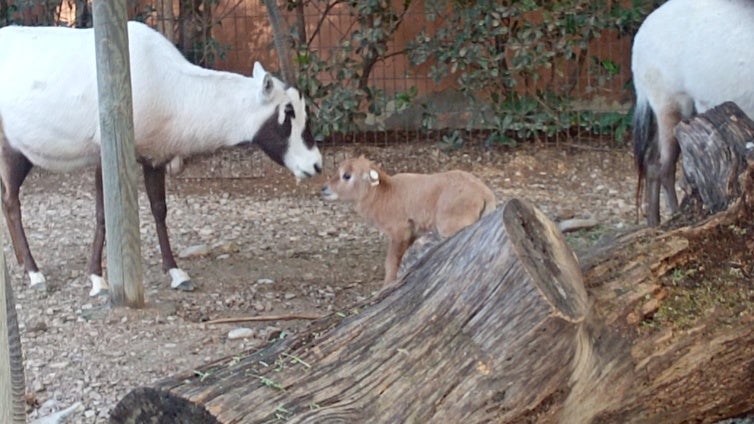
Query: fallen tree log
[443, 347]
[495, 325]
[491, 339]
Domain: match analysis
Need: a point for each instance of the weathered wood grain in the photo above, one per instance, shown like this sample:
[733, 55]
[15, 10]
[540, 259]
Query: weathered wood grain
[714, 154]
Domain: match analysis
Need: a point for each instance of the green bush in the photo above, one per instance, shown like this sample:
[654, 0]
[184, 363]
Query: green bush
[503, 54]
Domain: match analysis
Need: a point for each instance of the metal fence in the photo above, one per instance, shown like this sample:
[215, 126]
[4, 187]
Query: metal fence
[232, 34]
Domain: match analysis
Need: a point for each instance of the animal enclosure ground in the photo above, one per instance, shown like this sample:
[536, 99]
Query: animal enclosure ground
[266, 246]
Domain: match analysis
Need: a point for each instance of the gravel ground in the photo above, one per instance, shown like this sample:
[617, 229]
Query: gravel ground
[261, 245]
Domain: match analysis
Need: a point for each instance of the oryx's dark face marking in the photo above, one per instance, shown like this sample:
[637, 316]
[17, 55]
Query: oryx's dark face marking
[273, 137]
[284, 135]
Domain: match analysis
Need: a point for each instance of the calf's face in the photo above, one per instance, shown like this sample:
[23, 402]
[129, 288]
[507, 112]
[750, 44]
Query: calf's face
[353, 179]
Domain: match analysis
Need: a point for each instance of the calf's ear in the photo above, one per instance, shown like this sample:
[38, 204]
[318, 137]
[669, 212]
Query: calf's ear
[373, 177]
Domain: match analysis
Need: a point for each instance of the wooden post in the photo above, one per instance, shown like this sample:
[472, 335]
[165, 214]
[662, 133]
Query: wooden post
[124, 268]
[12, 408]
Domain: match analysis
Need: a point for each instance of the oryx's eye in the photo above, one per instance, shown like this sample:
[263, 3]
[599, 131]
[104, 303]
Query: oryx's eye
[346, 176]
[289, 111]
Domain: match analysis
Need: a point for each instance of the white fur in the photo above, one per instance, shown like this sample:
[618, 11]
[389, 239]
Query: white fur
[696, 53]
[688, 56]
[49, 105]
[99, 285]
[178, 277]
[37, 280]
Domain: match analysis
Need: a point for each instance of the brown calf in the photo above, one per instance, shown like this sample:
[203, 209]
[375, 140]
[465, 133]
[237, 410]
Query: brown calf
[404, 206]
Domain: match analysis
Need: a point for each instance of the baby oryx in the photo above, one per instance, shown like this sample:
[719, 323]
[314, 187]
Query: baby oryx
[405, 206]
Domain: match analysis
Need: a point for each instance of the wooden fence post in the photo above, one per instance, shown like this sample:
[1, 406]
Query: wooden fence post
[119, 170]
[12, 408]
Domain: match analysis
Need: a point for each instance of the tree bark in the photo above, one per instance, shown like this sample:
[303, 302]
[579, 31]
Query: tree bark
[714, 155]
[495, 325]
[280, 37]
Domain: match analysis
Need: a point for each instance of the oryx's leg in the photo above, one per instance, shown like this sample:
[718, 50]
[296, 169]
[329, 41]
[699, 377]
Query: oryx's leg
[14, 167]
[669, 152]
[154, 181]
[661, 159]
[99, 284]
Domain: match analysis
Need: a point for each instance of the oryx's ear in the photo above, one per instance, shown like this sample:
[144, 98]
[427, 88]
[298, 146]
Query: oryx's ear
[266, 87]
[267, 84]
[258, 71]
[373, 177]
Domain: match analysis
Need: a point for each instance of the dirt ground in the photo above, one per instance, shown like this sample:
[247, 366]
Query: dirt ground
[266, 246]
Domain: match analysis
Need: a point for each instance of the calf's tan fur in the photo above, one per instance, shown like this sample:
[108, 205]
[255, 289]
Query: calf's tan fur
[404, 206]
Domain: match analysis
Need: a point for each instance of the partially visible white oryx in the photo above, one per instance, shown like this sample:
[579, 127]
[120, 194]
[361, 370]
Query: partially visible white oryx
[49, 110]
[688, 56]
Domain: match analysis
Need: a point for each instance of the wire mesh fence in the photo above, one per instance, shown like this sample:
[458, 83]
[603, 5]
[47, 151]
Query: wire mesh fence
[362, 78]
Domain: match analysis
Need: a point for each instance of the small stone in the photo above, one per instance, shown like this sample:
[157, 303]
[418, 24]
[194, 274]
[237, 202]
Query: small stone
[38, 327]
[240, 333]
[37, 386]
[59, 365]
[289, 296]
[273, 332]
[194, 251]
[264, 281]
[226, 247]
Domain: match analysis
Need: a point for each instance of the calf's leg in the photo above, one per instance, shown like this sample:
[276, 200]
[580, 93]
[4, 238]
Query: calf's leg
[395, 251]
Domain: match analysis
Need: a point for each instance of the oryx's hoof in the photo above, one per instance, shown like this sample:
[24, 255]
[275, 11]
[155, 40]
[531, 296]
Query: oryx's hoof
[99, 292]
[185, 286]
[180, 280]
[99, 286]
[37, 281]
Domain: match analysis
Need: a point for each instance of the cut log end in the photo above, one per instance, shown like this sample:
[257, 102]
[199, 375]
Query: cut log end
[542, 249]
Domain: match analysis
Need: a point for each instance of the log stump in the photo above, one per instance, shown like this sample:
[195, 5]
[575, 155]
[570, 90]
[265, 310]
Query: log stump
[487, 327]
[714, 156]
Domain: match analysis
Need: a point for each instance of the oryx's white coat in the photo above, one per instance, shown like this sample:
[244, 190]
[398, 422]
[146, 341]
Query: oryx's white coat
[688, 56]
[49, 110]
[49, 106]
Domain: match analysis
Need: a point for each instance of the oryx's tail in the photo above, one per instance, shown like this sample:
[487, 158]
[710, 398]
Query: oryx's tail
[644, 129]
